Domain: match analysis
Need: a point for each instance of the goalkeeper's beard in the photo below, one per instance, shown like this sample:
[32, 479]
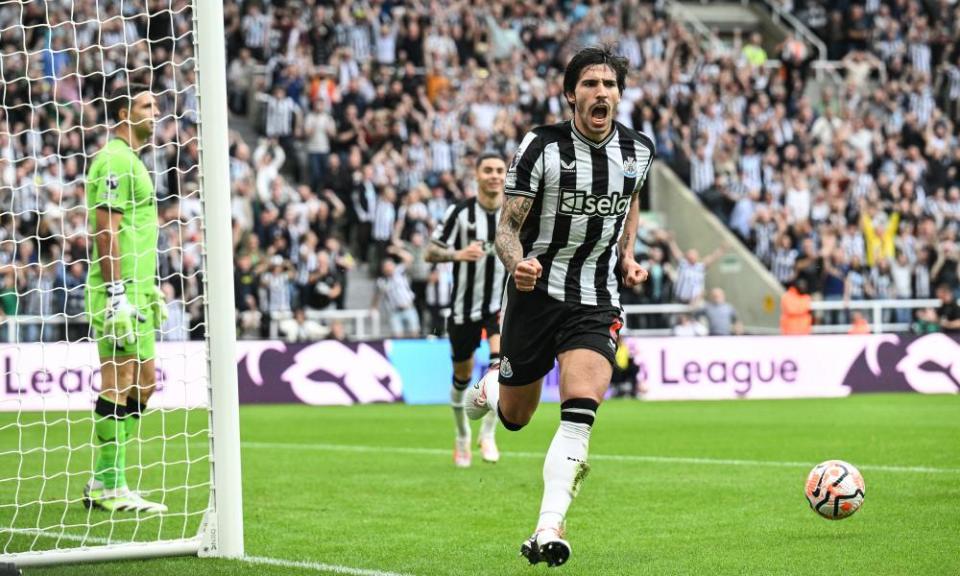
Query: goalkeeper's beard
[143, 131]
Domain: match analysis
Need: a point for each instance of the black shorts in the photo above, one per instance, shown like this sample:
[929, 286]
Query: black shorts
[538, 327]
[465, 338]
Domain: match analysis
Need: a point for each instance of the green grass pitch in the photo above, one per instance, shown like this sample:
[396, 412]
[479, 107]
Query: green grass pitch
[676, 488]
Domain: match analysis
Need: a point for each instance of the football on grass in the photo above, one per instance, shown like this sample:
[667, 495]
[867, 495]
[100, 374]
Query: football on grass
[835, 489]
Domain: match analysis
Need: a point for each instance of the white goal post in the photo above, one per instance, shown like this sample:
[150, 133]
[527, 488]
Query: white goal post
[188, 449]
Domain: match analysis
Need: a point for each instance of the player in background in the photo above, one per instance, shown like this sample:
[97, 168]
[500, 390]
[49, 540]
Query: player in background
[566, 238]
[123, 301]
[466, 238]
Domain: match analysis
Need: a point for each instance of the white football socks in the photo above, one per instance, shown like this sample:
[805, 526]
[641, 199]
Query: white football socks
[488, 425]
[493, 390]
[566, 465]
[456, 403]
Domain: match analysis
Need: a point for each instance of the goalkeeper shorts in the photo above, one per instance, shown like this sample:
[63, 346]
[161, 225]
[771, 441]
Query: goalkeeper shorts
[144, 345]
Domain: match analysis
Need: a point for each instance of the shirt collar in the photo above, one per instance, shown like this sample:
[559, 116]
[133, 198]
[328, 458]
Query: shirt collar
[590, 142]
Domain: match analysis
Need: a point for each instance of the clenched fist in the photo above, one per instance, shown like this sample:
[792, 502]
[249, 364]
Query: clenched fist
[526, 273]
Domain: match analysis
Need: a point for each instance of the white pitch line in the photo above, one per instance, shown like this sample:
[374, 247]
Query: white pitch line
[62, 536]
[283, 563]
[601, 457]
[317, 566]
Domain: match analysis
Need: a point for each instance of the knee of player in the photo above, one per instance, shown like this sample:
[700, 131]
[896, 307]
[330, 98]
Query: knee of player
[514, 418]
[146, 380]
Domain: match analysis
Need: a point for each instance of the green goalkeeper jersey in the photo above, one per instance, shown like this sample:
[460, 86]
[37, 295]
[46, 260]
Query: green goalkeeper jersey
[118, 180]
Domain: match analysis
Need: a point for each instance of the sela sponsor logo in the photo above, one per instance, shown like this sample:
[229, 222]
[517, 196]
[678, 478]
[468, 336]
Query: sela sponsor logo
[506, 370]
[579, 203]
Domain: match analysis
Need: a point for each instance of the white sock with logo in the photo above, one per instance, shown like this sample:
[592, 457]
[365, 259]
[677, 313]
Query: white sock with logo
[566, 465]
[456, 403]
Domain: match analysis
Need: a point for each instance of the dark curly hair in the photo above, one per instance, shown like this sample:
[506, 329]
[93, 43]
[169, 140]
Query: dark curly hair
[588, 57]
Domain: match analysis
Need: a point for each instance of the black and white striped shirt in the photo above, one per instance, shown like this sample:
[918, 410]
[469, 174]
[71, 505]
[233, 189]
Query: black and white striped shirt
[691, 278]
[581, 193]
[922, 104]
[764, 238]
[280, 115]
[920, 57]
[477, 286]
[784, 264]
[750, 171]
[921, 282]
[256, 28]
[882, 284]
[861, 185]
[952, 73]
[857, 283]
[441, 156]
[396, 290]
[439, 292]
[702, 173]
[384, 217]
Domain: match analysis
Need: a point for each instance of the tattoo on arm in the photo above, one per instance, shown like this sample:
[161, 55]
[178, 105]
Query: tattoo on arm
[437, 253]
[629, 234]
[509, 249]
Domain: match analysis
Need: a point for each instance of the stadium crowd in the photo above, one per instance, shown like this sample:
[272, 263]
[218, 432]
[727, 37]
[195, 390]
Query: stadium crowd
[369, 116]
[57, 62]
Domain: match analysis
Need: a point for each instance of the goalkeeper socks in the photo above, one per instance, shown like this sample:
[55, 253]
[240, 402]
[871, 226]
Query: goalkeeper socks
[111, 433]
[456, 402]
[132, 421]
[566, 464]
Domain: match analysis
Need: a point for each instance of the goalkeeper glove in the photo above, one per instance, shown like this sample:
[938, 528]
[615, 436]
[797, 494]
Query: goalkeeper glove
[158, 307]
[118, 321]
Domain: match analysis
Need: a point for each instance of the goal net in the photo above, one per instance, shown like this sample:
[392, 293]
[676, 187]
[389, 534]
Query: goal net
[60, 62]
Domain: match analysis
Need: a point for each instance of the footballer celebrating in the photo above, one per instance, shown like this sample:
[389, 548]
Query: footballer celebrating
[566, 238]
[466, 238]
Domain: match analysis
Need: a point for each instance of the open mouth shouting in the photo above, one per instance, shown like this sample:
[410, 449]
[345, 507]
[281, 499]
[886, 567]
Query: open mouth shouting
[599, 115]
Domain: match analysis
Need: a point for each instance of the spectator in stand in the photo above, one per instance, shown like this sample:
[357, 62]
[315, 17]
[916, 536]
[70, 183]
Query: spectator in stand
[246, 293]
[687, 325]
[926, 322]
[394, 77]
[282, 121]
[949, 311]
[299, 328]
[276, 289]
[177, 326]
[318, 128]
[721, 316]
[691, 274]
[439, 297]
[795, 317]
[784, 262]
[382, 231]
[834, 283]
[393, 290]
[858, 324]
